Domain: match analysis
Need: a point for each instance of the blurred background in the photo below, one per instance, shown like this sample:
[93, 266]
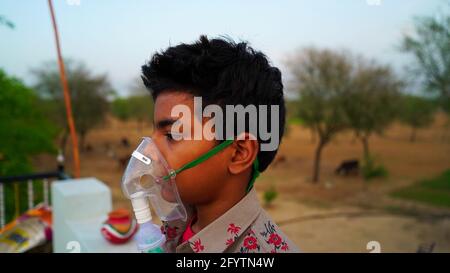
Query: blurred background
[364, 164]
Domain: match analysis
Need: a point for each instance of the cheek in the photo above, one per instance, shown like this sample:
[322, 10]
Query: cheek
[168, 194]
[199, 184]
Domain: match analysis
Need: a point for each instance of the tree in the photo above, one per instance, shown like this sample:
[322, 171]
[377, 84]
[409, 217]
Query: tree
[141, 109]
[141, 103]
[120, 108]
[138, 107]
[89, 95]
[24, 128]
[430, 46]
[322, 78]
[6, 22]
[371, 104]
[417, 112]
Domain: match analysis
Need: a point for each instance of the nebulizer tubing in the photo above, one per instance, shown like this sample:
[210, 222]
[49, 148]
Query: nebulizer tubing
[209, 154]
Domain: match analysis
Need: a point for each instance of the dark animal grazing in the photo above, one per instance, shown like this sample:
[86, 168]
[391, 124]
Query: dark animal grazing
[426, 248]
[88, 148]
[125, 143]
[348, 167]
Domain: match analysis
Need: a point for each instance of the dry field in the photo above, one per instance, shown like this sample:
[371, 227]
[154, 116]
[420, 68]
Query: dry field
[338, 214]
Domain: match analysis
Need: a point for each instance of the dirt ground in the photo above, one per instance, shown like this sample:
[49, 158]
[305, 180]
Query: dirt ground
[338, 214]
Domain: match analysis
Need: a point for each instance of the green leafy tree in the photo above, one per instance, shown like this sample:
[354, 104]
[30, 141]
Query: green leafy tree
[430, 46]
[372, 102]
[6, 22]
[141, 110]
[321, 78]
[89, 94]
[24, 128]
[138, 107]
[120, 108]
[417, 112]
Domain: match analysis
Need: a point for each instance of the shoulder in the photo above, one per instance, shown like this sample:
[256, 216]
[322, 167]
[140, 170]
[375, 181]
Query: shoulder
[264, 236]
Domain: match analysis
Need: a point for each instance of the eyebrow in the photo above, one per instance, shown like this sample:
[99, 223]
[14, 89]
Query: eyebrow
[161, 124]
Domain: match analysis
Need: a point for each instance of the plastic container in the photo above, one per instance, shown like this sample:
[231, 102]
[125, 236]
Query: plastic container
[149, 238]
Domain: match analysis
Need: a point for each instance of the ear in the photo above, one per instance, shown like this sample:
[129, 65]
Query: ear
[245, 151]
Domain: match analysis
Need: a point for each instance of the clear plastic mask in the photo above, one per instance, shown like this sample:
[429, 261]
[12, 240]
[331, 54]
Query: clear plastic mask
[149, 176]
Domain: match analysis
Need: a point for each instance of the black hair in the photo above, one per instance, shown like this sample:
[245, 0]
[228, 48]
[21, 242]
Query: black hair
[222, 72]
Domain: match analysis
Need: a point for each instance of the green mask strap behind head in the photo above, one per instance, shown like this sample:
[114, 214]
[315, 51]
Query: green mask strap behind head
[210, 153]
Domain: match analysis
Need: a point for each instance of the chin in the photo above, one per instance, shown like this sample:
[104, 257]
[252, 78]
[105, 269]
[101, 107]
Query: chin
[168, 195]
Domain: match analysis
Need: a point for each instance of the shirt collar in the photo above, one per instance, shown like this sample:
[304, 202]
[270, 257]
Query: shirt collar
[222, 232]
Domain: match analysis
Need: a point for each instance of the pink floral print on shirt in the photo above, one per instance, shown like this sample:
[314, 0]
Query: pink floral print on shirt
[250, 243]
[272, 238]
[234, 231]
[197, 246]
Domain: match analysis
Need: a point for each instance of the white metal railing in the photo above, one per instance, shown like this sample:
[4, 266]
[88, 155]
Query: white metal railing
[14, 182]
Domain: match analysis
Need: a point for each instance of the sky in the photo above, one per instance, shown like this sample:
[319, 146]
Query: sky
[117, 37]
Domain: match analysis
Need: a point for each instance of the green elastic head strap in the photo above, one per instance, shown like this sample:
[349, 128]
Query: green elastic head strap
[255, 174]
[210, 153]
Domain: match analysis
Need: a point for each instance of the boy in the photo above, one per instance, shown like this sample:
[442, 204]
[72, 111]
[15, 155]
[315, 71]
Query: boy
[223, 211]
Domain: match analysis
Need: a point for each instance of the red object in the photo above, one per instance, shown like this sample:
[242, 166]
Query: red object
[119, 227]
[188, 233]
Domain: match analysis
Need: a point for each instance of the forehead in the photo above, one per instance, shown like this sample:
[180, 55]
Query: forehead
[169, 99]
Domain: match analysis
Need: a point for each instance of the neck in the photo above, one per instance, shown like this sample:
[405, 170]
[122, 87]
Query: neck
[208, 212]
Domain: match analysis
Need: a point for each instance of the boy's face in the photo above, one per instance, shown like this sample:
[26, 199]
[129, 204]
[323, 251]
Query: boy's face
[203, 182]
